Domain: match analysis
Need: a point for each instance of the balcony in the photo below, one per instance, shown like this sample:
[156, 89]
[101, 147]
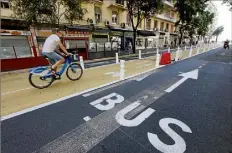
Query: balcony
[117, 4]
[166, 17]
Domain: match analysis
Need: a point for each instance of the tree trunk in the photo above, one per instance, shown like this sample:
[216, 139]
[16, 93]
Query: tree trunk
[181, 36]
[134, 40]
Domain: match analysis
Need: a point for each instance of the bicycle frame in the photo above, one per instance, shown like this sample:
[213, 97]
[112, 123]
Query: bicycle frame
[40, 69]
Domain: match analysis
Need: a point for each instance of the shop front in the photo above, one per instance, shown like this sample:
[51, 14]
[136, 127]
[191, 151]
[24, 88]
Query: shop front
[76, 39]
[17, 50]
[99, 43]
[146, 40]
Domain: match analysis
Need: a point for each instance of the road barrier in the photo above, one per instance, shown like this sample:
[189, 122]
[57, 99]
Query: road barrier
[140, 54]
[122, 69]
[116, 55]
[82, 62]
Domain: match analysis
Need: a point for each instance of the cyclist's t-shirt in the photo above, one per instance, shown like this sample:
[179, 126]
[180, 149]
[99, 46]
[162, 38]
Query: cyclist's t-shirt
[50, 43]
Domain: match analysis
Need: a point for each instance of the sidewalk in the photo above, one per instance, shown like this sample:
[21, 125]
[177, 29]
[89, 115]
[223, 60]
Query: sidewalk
[17, 94]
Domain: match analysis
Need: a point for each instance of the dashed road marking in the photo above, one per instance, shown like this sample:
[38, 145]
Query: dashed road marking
[87, 118]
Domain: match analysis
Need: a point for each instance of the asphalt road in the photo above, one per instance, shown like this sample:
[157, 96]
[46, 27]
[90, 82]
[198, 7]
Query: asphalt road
[138, 116]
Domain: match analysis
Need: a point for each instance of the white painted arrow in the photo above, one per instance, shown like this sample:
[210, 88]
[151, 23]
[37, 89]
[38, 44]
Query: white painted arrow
[188, 75]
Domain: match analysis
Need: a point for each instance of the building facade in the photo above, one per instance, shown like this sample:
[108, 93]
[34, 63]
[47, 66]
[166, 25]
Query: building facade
[104, 30]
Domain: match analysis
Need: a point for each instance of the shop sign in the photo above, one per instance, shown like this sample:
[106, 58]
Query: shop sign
[100, 33]
[44, 33]
[128, 34]
[78, 34]
[15, 33]
[116, 33]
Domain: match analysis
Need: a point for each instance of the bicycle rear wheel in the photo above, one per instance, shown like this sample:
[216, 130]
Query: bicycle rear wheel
[38, 80]
[74, 71]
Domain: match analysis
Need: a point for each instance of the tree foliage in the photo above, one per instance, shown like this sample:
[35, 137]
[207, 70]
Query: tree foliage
[218, 31]
[142, 9]
[188, 11]
[48, 11]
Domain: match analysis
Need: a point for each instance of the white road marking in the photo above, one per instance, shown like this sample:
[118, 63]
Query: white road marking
[192, 74]
[87, 118]
[6, 93]
[200, 67]
[223, 53]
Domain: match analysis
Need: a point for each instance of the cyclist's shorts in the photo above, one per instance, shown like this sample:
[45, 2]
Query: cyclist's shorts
[54, 56]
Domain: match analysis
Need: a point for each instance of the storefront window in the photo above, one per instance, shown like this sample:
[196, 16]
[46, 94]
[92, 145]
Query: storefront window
[15, 47]
[140, 43]
[149, 42]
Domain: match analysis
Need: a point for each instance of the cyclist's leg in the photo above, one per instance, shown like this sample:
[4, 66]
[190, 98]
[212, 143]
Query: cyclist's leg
[57, 60]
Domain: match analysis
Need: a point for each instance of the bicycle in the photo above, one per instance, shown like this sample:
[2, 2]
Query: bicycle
[47, 77]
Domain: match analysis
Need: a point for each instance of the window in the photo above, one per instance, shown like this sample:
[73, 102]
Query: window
[5, 5]
[167, 27]
[172, 28]
[97, 11]
[155, 24]
[128, 21]
[148, 24]
[161, 26]
[121, 2]
[114, 17]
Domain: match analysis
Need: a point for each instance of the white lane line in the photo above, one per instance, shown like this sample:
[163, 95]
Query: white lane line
[223, 53]
[66, 97]
[6, 93]
[200, 67]
[86, 118]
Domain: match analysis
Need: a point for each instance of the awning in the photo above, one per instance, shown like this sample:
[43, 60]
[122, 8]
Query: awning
[119, 29]
[146, 33]
[174, 34]
[79, 28]
[101, 30]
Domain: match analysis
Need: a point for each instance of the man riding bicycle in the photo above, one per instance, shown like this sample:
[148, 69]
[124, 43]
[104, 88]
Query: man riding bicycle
[50, 49]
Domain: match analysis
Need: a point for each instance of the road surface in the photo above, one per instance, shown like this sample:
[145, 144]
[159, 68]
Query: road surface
[183, 107]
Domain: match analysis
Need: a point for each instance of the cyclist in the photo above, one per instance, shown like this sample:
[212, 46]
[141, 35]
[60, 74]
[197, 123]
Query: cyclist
[50, 49]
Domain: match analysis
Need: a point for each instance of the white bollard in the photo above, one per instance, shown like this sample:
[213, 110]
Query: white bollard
[116, 55]
[177, 54]
[169, 49]
[198, 50]
[185, 48]
[140, 57]
[191, 51]
[82, 62]
[122, 69]
[157, 60]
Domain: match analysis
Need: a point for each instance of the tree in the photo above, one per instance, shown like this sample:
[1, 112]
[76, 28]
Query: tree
[204, 20]
[35, 12]
[142, 9]
[187, 10]
[218, 32]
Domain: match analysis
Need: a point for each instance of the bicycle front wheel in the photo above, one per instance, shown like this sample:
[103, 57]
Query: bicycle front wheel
[38, 81]
[74, 71]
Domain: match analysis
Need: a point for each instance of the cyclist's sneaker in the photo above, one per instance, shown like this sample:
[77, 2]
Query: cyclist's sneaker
[56, 77]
